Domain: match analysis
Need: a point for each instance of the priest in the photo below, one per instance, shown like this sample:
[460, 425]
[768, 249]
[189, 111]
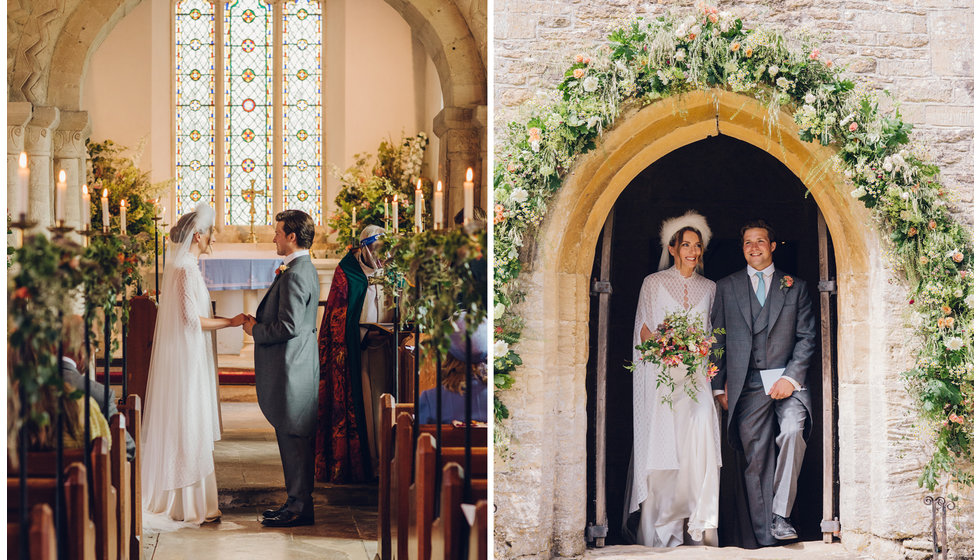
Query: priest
[353, 366]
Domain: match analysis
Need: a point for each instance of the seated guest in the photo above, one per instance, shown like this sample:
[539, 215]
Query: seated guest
[41, 435]
[73, 337]
[453, 382]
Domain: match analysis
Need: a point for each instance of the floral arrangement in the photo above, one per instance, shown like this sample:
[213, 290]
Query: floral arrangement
[679, 340]
[445, 273]
[707, 48]
[370, 185]
[123, 179]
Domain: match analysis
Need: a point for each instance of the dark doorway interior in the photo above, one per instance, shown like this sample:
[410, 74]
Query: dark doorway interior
[729, 182]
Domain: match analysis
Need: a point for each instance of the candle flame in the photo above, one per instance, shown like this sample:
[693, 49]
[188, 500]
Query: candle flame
[418, 186]
[105, 193]
[469, 174]
[122, 203]
[61, 176]
[23, 160]
[84, 189]
[439, 186]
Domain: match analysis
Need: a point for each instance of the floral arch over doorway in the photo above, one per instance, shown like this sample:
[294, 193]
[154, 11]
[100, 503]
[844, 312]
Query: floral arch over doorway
[707, 74]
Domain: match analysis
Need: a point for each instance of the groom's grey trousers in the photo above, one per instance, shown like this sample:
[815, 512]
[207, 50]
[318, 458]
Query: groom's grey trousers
[771, 432]
[297, 468]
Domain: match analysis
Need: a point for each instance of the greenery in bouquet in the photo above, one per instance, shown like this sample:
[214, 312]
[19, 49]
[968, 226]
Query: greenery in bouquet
[121, 177]
[370, 185]
[680, 340]
[876, 161]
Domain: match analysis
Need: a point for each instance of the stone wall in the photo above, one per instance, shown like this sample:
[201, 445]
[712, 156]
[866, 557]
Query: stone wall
[922, 53]
[919, 50]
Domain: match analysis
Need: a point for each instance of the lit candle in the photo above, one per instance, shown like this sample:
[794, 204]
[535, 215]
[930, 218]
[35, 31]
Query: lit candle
[86, 207]
[437, 207]
[353, 216]
[60, 194]
[105, 210]
[468, 196]
[386, 213]
[122, 216]
[394, 211]
[418, 206]
[23, 179]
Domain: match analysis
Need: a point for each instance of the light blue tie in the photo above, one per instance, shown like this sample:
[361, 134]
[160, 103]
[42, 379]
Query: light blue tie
[760, 290]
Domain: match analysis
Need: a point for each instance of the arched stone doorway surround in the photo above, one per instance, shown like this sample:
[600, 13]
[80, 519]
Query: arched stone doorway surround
[54, 40]
[540, 493]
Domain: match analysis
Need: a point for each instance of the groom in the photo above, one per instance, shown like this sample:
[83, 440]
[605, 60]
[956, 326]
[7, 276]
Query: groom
[769, 325]
[287, 364]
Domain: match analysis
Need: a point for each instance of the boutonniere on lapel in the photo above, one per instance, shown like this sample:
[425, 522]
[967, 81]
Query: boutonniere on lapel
[282, 268]
[786, 282]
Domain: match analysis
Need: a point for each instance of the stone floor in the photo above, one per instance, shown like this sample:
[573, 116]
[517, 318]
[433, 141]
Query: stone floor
[250, 480]
[797, 551]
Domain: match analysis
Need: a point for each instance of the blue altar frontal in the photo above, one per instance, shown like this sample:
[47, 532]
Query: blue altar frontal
[239, 270]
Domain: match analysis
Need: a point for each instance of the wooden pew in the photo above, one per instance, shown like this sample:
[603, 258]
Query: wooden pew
[455, 436]
[422, 500]
[42, 541]
[80, 528]
[122, 483]
[478, 533]
[41, 464]
[134, 421]
[478, 459]
[386, 454]
[401, 479]
[447, 529]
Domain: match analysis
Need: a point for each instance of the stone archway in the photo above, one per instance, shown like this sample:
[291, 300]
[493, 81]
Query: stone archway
[542, 498]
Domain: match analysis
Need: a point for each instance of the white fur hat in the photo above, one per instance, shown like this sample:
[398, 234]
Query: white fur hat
[673, 225]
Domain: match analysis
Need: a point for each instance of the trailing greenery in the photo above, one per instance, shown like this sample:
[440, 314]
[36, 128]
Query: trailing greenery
[648, 61]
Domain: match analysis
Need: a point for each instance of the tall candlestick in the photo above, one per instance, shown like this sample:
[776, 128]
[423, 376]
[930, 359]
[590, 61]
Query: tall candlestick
[418, 206]
[60, 194]
[86, 208]
[386, 214]
[122, 216]
[437, 207]
[23, 180]
[353, 216]
[468, 196]
[394, 211]
[105, 210]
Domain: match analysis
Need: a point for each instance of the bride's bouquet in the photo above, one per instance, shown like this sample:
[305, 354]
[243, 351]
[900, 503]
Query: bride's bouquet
[679, 340]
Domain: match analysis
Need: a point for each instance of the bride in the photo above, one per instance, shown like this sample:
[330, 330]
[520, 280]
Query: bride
[676, 450]
[180, 423]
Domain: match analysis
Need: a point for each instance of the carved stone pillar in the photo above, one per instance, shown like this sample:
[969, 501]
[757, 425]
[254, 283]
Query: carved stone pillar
[38, 143]
[462, 145]
[70, 155]
[18, 115]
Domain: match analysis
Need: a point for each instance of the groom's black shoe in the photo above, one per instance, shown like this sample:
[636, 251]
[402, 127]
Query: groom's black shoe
[288, 519]
[782, 528]
[269, 513]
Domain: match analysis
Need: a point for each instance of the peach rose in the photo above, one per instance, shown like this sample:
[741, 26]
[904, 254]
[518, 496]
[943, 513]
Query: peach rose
[958, 257]
[579, 58]
[748, 52]
[913, 231]
[853, 126]
[736, 45]
[578, 73]
[814, 54]
[946, 310]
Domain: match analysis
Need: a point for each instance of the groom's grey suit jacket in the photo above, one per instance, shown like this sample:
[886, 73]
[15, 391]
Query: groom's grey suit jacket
[287, 364]
[789, 335]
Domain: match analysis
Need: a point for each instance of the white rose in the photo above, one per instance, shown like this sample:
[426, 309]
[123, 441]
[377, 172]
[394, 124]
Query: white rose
[958, 292]
[590, 84]
[954, 343]
[695, 30]
[968, 300]
[518, 195]
[858, 192]
[499, 310]
[782, 82]
[809, 98]
[681, 31]
[905, 195]
[535, 145]
[773, 70]
[500, 349]
[887, 165]
[680, 54]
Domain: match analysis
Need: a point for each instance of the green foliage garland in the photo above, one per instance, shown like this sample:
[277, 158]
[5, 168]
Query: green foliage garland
[645, 62]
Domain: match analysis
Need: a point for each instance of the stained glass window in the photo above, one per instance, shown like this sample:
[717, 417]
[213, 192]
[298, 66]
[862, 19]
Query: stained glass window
[301, 106]
[248, 111]
[194, 26]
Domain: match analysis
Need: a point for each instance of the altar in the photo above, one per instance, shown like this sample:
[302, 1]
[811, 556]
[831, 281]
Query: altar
[237, 276]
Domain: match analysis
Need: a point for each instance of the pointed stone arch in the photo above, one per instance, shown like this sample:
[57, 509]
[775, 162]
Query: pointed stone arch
[546, 480]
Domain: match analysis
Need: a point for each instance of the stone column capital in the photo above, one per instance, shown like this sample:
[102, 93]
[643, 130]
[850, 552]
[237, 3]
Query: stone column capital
[451, 118]
[37, 141]
[18, 115]
[69, 138]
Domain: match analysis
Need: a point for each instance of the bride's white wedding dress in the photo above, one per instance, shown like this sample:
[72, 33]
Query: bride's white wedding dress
[180, 423]
[676, 451]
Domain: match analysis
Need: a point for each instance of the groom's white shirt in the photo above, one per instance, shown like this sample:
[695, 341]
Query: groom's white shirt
[767, 273]
[294, 255]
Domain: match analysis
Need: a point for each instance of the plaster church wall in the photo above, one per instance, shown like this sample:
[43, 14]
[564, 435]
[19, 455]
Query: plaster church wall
[378, 83]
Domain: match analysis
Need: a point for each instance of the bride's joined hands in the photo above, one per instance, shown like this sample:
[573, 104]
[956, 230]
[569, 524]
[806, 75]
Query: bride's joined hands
[237, 320]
